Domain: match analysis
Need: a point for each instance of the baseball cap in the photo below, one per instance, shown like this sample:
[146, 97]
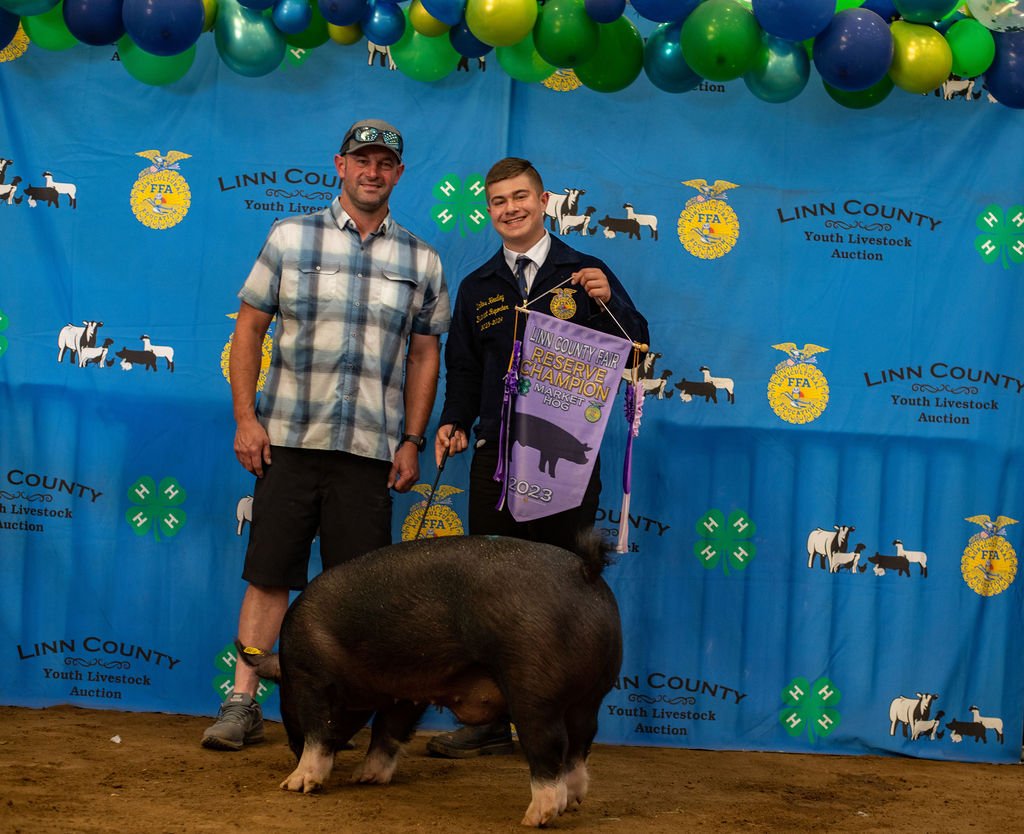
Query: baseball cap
[367, 132]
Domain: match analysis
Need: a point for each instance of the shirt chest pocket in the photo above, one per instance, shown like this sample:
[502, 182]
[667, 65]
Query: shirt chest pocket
[392, 295]
[318, 280]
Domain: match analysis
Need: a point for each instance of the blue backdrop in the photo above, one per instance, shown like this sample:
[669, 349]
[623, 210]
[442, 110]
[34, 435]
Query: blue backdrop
[835, 368]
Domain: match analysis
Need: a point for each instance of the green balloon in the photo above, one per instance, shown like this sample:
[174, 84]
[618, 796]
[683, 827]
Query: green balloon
[155, 70]
[314, 35]
[973, 47]
[421, 57]
[523, 62]
[48, 30]
[843, 5]
[565, 35]
[720, 40]
[618, 60]
[861, 99]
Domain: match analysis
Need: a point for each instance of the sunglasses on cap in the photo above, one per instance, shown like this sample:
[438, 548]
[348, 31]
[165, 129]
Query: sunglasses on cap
[368, 133]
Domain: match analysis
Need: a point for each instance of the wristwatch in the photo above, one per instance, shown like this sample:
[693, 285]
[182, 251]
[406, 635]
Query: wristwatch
[418, 441]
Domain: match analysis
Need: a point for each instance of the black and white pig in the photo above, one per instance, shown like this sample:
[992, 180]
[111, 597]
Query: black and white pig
[486, 626]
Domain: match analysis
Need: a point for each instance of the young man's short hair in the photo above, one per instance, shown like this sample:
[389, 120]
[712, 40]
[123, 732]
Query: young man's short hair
[513, 166]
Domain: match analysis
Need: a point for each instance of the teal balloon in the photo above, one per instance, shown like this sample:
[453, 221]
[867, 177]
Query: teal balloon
[861, 99]
[619, 58]
[780, 71]
[27, 8]
[664, 63]
[155, 70]
[248, 42]
[423, 58]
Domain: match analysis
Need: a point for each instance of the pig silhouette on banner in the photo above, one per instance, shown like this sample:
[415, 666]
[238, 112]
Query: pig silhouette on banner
[565, 386]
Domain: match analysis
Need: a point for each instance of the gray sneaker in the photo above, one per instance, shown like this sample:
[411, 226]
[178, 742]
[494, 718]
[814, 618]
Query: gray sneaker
[239, 722]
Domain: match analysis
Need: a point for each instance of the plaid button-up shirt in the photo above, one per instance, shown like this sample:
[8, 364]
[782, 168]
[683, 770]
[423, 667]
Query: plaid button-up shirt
[344, 311]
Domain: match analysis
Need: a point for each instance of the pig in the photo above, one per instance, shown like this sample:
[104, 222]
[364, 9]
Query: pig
[487, 626]
[553, 442]
[146, 358]
[900, 564]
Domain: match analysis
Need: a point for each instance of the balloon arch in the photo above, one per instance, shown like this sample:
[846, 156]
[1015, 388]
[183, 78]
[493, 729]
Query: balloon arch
[861, 50]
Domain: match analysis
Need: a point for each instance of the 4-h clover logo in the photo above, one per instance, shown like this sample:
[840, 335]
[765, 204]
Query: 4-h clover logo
[4, 322]
[224, 683]
[810, 708]
[1001, 238]
[156, 508]
[725, 537]
[463, 204]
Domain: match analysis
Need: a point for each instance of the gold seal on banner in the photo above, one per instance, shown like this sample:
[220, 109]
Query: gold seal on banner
[563, 305]
[798, 391]
[562, 81]
[266, 351]
[16, 48]
[161, 197]
[708, 227]
[989, 562]
[441, 519]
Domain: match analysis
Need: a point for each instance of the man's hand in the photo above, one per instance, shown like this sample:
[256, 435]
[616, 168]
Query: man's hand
[594, 282]
[405, 469]
[252, 446]
[450, 438]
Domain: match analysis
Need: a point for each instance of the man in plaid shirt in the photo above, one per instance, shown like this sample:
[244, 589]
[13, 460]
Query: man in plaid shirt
[359, 304]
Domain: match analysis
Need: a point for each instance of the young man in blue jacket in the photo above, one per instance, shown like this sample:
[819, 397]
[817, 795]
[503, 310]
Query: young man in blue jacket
[529, 265]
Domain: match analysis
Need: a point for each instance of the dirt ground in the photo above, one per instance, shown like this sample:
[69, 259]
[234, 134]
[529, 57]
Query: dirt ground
[61, 770]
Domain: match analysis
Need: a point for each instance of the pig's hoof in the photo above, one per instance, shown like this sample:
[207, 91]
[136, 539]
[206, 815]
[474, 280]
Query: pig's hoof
[376, 769]
[576, 784]
[549, 800]
[301, 783]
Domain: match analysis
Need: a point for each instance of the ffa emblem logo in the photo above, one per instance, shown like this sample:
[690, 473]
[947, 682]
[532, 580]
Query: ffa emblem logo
[441, 519]
[16, 48]
[160, 196]
[592, 414]
[798, 391]
[267, 351]
[708, 227]
[989, 562]
[563, 305]
[562, 81]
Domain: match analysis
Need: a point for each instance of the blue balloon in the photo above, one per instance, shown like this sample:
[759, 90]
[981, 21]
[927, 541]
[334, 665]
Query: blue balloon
[342, 12]
[164, 27]
[256, 5]
[794, 20]
[664, 64]
[1005, 77]
[780, 70]
[292, 16]
[8, 27]
[885, 9]
[664, 11]
[95, 22]
[604, 11]
[447, 11]
[465, 42]
[854, 51]
[383, 23]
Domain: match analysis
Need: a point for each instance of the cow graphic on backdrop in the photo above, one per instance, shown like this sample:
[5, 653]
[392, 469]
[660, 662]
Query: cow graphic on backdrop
[73, 338]
[562, 205]
[826, 544]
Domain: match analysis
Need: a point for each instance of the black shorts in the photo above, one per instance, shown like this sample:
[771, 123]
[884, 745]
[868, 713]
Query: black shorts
[344, 496]
[559, 529]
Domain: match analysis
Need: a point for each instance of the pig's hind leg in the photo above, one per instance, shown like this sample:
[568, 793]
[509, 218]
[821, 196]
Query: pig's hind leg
[545, 741]
[314, 718]
[581, 725]
[392, 727]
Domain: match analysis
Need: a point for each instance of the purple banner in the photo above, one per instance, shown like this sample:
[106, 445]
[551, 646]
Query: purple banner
[568, 377]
